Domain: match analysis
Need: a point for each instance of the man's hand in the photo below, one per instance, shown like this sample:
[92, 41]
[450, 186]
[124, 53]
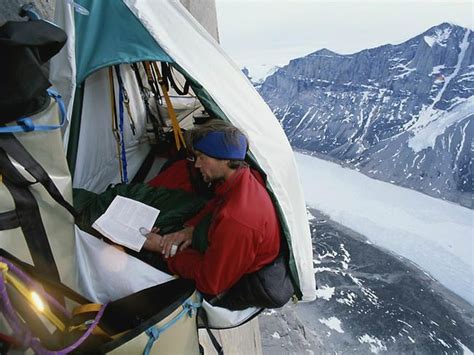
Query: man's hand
[154, 241]
[177, 240]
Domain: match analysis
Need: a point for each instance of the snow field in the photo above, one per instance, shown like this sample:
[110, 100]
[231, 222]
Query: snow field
[434, 234]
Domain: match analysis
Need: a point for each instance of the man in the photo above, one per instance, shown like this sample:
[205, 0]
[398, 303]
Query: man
[244, 232]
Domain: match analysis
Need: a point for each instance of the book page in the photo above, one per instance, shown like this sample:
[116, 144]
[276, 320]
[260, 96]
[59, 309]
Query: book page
[123, 219]
[120, 233]
[132, 213]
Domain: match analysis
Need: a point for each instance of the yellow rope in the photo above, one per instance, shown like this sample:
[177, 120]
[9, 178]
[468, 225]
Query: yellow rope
[178, 134]
[86, 308]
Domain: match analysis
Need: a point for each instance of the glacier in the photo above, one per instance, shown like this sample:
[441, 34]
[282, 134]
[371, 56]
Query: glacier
[434, 234]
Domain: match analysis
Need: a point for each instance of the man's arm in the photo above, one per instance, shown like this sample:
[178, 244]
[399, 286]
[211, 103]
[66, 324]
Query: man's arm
[231, 252]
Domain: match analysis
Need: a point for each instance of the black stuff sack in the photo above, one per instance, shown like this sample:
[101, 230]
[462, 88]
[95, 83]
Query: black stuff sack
[269, 287]
[24, 48]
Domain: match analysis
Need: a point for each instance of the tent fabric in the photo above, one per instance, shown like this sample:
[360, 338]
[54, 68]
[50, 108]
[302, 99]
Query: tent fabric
[62, 69]
[117, 43]
[183, 38]
[104, 270]
[97, 147]
[194, 51]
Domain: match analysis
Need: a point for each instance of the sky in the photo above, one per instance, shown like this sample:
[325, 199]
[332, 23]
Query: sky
[260, 34]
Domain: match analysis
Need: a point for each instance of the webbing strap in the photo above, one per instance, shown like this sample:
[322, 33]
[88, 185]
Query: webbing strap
[121, 112]
[215, 343]
[178, 134]
[29, 218]
[25, 124]
[145, 95]
[114, 119]
[9, 220]
[154, 333]
[168, 76]
[154, 88]
[86, 308]
[126, 99]
[10, 145]
[89, 308]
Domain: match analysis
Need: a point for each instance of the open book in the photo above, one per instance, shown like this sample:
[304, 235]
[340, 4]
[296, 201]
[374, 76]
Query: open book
[123, 219]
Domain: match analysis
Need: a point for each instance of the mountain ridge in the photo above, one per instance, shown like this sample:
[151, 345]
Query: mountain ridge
[399, 113]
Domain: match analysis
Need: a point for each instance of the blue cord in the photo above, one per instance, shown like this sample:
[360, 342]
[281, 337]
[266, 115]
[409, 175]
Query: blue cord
[25, 124]
[154, 333]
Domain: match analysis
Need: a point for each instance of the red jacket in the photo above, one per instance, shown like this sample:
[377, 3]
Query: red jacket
[244, 235]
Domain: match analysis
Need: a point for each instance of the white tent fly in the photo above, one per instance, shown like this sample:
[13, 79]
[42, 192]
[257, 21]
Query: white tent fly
[174, 36]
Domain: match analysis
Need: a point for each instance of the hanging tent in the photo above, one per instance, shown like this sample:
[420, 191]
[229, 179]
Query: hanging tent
[93, 73]
[128, 31]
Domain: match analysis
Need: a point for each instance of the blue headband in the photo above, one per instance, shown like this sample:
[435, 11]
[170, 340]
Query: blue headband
[214, 145]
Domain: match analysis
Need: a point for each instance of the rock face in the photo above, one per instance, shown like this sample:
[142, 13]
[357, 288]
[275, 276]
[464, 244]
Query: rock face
[11, 8]
[400, 113]
[368, 301]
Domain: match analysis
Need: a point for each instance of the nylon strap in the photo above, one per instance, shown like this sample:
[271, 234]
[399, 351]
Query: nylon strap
[126, 99]
[168, 76]
[89, 308]
[9, 220]
[10, 145]
[145, 95]
[215, 343]
[86, 308]
[154, 89]
[122, 136]
[114, 119]
[29, 218]
[178, 134]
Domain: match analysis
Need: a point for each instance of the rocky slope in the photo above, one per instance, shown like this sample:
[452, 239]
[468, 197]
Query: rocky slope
[400, 113]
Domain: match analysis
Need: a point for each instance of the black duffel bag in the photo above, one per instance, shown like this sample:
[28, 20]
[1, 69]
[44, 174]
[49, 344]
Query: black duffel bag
[269, 287]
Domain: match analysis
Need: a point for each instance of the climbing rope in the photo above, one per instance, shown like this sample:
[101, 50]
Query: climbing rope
[10, 274]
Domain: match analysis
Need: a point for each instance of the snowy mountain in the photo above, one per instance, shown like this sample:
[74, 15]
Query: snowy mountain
[400, 113]
[258, 73]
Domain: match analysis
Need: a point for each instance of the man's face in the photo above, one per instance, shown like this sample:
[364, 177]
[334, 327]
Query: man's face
[212, 170]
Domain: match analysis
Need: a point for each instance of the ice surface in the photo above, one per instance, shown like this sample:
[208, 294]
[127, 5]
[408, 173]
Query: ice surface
[435, 234]
[332, 323]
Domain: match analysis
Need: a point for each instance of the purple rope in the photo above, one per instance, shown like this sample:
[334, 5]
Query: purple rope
[84, 336]
[8, 310]
[29, 281]
[24, 333]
